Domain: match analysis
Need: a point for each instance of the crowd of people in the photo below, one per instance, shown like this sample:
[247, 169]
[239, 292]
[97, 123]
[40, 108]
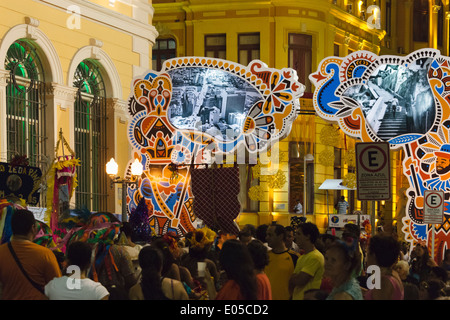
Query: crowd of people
[267, 262]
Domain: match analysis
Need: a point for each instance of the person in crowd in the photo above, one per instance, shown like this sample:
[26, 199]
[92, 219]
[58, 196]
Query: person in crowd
[152, 285]
[260, 257]
[432, 289]
[446, 261]
[38, 262]
[126, 240]
[322, 244]
[410, 291]
[328, 240]
[342, 206]
[170, 268]
[261, 232]
[112, 265]
[309, 269]
[353, 231]
[237, 263]
[315, 294]
[439, 274]
[200, 243]
[402, 268]
[298, 208]
[420, 264]
[247, 233]
[341, 261]
[383, 251]
[281, 262]
[77, 286]
[289, 239]
[404, 252]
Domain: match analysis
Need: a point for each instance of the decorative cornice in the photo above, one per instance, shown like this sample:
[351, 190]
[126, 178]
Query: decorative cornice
[58, 91]
[119, 107]
[108, 17]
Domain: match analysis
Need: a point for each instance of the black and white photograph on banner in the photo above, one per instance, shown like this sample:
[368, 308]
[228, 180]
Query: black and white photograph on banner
[397, 99]
[210, 100]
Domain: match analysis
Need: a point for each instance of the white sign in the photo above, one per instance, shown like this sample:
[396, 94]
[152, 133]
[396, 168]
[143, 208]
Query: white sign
[339, 220]
[433, 207]
[373, 174]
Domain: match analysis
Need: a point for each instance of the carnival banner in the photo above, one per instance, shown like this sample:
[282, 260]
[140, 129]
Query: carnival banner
[403, 101]
[20, 181]
[193, 111]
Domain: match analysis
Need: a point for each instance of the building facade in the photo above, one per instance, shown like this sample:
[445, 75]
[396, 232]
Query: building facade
[66, 68]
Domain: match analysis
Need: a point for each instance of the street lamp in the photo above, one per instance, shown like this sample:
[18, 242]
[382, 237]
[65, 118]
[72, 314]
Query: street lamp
[308, 157]
[136, 170]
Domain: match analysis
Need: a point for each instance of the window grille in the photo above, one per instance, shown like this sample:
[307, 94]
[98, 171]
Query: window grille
[26, 107]
[90, 137]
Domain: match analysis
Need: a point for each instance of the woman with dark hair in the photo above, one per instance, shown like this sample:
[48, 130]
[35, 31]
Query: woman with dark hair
[260, 257]
[341, 261]
[421, 264]
[152, 286]
[237, 263]
[383, 252]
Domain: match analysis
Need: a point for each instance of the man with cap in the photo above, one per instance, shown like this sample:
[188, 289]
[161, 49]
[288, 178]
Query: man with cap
[440, 180]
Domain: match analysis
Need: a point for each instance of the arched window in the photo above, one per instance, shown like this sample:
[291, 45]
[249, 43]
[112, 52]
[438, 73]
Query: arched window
[90, 136]
[25, 103]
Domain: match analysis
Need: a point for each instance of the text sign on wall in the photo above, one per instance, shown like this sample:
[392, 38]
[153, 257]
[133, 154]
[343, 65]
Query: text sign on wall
[433, 207]
[373, 171]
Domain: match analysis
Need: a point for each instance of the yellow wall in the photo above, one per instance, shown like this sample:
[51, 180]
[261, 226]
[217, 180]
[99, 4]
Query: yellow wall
[118, 33]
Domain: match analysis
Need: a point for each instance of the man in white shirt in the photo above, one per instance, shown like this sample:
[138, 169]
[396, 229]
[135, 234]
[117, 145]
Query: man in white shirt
[342, 206]
[77, 286]
[298, 208]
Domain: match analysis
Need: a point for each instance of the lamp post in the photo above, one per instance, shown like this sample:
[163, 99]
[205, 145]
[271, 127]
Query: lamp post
[308, 157]
[136, 170]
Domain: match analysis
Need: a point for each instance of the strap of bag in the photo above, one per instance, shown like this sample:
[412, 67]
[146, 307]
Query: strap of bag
[38, 287]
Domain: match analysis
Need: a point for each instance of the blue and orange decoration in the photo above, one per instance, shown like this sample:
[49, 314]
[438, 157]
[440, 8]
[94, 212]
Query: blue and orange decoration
[169, 154]
[414, 87]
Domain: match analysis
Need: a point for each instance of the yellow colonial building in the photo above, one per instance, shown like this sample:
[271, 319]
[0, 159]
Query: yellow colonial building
[66, 67]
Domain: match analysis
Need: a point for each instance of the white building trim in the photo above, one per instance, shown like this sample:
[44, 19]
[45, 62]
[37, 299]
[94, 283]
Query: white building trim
[48, 54]
[109, 71]
[111, 18]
